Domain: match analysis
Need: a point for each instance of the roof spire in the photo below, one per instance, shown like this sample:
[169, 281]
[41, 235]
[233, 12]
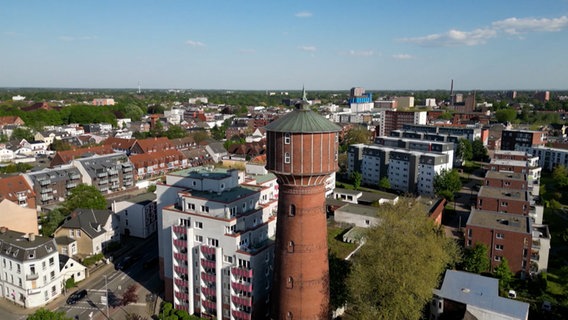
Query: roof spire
[304, 98]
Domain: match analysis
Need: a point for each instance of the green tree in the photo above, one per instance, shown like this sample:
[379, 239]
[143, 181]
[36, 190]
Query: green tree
[356, 177]
[447, 183]
[504, 274]
[84, 196]
[506, 115]
[200, 136]
[22, 133]
[358, 134]
[395, 281]
[338, 271]
[464, 150]
[44, 314]
[384, 183]
[52, 221]
[479, 151]
[560, 176]
[175, 132]
[476, 259]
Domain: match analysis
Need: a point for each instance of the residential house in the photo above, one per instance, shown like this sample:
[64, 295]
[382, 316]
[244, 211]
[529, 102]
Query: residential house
[108, 173]
[29, 268]
[92, 229]
[18, 190]
[70, 268]
[157, 163]
[465, 295]
[65, 157]
[151, 145]
[137, 215]
[53, 185]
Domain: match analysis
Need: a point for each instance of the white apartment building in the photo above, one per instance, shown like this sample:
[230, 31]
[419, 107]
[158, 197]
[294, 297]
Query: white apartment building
[548, 158]
[429, 166]
[216, 242]
[137, 216]
[29, 271]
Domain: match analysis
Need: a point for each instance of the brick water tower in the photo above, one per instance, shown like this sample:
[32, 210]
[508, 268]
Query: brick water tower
[302, 150]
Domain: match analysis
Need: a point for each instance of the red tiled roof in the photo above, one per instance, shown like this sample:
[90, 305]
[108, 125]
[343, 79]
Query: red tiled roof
[10, 120]
[10, 186]
[154, 144]
[63, 157]
[118, 143]
[146, 159]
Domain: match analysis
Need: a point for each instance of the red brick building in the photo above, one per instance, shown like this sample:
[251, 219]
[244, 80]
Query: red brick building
[504, 200]
[513, 139]
[507, 180]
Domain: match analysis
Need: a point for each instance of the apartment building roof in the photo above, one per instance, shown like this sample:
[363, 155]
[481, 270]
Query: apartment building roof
[505, 175]
[54, 174]
[499, 221]
[153, 144]
[64, 157]
[142, 199]
[98, 164]
[203, 172]
[24, 247]
[262, 178]
[508, 162]
[359, 209]
[164, 156]
[502, 193]
[226, 196]
[118, 143]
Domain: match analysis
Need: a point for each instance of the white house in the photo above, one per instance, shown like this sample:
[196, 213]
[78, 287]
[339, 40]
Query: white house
[137, 216]
[29, 271]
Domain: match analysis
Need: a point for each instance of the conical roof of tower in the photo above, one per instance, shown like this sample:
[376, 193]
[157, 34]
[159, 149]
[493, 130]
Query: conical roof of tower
[302, 119]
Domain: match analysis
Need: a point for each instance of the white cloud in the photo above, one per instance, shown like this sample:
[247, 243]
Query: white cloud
[454, 38]
[303, 14]
[523, 25]
[361, 53]
[308, 48]
[402, 56]
[196, 44]
[71, 38]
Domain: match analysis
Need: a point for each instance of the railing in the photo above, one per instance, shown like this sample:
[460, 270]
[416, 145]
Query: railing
[209, 291]
[241, 315]
[179, 229]
[209, 304]
[102, 174]
[208, 263]
[182, 296]
[207, 250]
[32, 276]
[180, 243]
[126, 169]
[74, 176]
[46, 190]
[181, 283]
[244, 301]
[104, 181]
[181, 270]
[180, 256]
[71, 185]
[242, 272]
[241, 286]
[44, 182]
[113, 172]
[207, 277]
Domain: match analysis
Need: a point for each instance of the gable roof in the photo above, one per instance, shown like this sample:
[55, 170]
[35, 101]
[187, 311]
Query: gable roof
[11, 186]
[23, 247]
[148, 159]
[119, 143]
[5, 120]
[64, 157]
[154, 144]
[91, 221]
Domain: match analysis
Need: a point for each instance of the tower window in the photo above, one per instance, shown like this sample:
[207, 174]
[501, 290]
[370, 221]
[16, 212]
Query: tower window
[292, 211]
[287, 138]
[287, 157]
[290, 283]
[291, 247]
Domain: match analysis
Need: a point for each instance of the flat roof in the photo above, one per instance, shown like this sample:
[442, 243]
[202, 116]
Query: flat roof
[226, 196]
[481, 292]
[514, 163]
[502, 193]
[360, 210]
[143, 198]
[347, 191]
[506, 175]
[376, 196]
[202, 172]
[262, 178]
[498, 220]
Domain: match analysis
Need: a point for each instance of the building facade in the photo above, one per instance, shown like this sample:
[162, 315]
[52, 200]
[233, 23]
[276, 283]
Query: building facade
[520, 139]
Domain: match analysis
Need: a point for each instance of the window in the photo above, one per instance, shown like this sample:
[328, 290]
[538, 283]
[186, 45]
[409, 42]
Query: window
[228, 259]
[51, 261]
[52, 275]
[78, 233]
[287, 138]
[204, 209]
[190, 206]
[291, 247]
[184, 222]
[290, 283]
[198, 225]
[500, 236]
[292, 210]
[469, 232]
[499, 247]
[287, 157]
[503, 203]
[212, 242]
[498, 258]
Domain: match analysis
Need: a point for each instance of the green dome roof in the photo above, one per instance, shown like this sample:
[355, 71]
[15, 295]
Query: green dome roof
[302, 120]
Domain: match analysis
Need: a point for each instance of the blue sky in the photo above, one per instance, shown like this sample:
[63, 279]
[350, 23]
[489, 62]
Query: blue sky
[268, 45]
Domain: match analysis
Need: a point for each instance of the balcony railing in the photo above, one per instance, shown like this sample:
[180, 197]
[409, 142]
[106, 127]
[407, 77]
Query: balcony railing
[208, 263]
[71, 185]
[74, 176]
[44, 182]
[209, 291]
[181, 283]
[180, 270]
[209, 304]
[46, 190]
[180, 256]
[32, 276]
[104, 181]
[179, 229]
[46, 197]
[207, 277]
[243, 301]
[180, 243]
[241, 272]
[182, 296]
[241, 315]
[113, 172]
[241, 286]
[207, 250]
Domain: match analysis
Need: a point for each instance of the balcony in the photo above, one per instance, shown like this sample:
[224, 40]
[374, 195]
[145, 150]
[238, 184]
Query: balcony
[46, 190]
[32, 276]
[71, 185]
[102, 175]
[207, 264]
[182, 296]
[180, 256]
[207, 250]
[126, 168]
[180, 270]
[211, 292]
[207, 277]
[241, 315]
[128, 183]
[536, 244]
[209, 304]
[180, 243]
[103, 181]
[74, 176]
[179, 229]
[46, 197]
[241, 272]
[113, 172]
[241, 286]
[114, 179]
[243, 301]
[44, 182]
[181, 283]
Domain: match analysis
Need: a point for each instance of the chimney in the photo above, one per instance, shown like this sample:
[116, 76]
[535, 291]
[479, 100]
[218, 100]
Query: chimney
[3, 229]
[31, 237]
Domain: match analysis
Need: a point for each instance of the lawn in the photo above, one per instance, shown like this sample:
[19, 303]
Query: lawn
[336, 245]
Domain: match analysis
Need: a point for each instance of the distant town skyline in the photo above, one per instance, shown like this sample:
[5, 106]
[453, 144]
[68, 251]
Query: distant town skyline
[260, 45]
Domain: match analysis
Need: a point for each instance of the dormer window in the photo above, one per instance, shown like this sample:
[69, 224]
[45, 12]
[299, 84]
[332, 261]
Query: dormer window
[287, 138]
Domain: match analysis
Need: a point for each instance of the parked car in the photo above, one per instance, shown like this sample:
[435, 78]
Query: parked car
[126, 263]
[76, 296]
